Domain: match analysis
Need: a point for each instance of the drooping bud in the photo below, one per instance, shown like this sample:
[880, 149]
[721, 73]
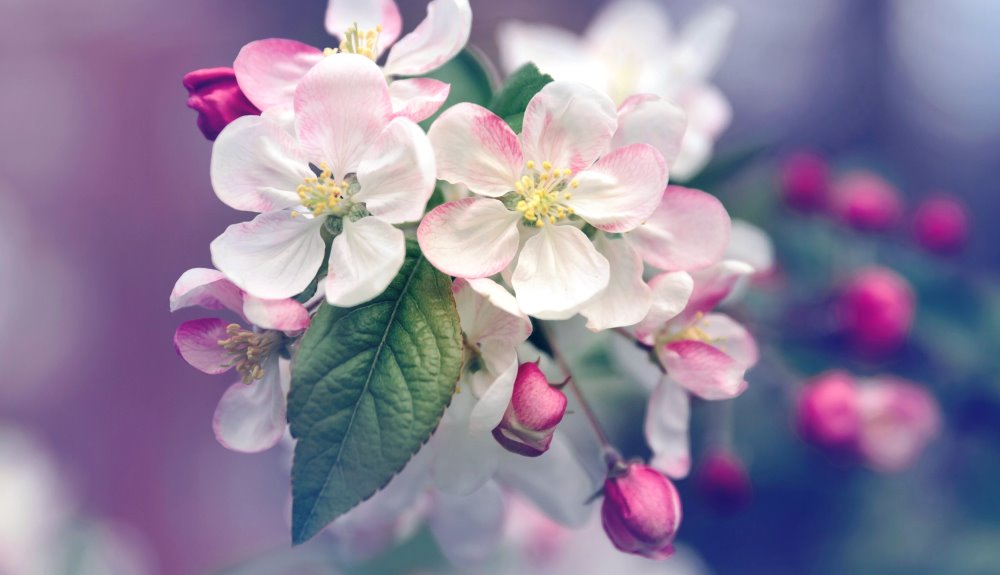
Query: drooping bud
[940, 225]
[536, 408]
[805, 182]
[723, 482]
[827, 412]
[867, 202]
[898, 419]
[875, 310]
[641, 511]
[218, 99]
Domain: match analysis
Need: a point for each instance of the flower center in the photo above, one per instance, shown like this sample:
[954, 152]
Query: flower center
[543, 192]
[357, 41]
[249, 350]
[323, 194]
[694, 331]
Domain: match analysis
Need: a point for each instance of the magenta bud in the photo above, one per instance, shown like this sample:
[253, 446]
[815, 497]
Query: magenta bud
[535, 409]
[941, 224]
[641, 511]
[805, 181]
[723, 482]
[218, 99]
[875, 310]
[828, 412]
[867, 202]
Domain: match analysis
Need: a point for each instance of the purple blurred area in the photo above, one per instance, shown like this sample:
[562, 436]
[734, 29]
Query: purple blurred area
[106, 199]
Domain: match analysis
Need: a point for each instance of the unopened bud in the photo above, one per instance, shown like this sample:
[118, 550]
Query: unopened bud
[828, 414]
[940, 225]
[866, 201]
[217, 98]
[804, 182]
[641, 511]
[535, 409]
[723, 482]
[875, 310]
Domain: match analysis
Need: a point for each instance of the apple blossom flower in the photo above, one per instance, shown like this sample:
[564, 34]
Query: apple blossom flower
[875, 310]
[641, 511]
[534, 193]
[270, 70]
[250, 416]
[898, 419]
[723, 481]
[347, 165]
[629, 49]
[941, 224]
[217, 98]
[866, 201]
[805, 181]
[536, 408]
[827, 412]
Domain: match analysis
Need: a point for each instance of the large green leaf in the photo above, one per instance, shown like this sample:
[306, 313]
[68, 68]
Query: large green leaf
[469, 79]
[369, 386]
[510, 102]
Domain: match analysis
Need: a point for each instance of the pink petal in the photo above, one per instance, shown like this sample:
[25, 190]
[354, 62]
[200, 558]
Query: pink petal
[363, 261]
[470, 238]
[649, 119]
[689, 230]
[568, 124]
[206, 288]
[268, 71]
[668, 415]
[475, 147]
[731, 338]
[714, 284]
[622, 189]
[439, 38]
[627, 298]
[397, 173]
[367, 14]
[703, 369]
[671, 293]
[341, 106]
[197, 341]
[278, 314]
[708, 111]
[251, 418]
[418, 98]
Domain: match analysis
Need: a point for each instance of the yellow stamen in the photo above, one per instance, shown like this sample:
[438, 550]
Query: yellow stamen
[357, 41]
[543, 193]
[322, 194]
[249, 349]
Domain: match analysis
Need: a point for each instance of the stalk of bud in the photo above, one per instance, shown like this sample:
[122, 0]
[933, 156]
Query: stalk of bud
[218, 99]
[536, 408]
[641, 511]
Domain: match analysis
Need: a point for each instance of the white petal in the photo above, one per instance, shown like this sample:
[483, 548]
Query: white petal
[696, 151]
[251, 418]
[568, 124]
[468, 528]
[667, 417]
[470, 238]
[475, 147]
[622, 189]
[418, 98]
[501, 362]
[555, 481]
[366, 14]
[268, 71]
[558, 272]
[627, 298]
[649, 119]
[489, 313]
[278, 314]
[439, 38]
[364, 259]
[731, 337]
[751, 245]
[463, 459]
[704, 41]
[397, 173]
[273, 256]
[555, 51]
[629, 28]
[671, 293]
[206, 288]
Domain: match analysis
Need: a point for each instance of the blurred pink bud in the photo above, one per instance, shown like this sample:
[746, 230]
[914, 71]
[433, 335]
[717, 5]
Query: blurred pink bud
[805, 181]
[723, 482]
[941, 225]
[827, 412]
[875, 310]
[217, 98]
[641, 511]
[866, 201]
[535, 409]
[898, 419]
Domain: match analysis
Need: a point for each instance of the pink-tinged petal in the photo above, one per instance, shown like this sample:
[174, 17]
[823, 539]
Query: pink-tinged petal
[751, 245]
[367, 15]
[714, 284]
[277, 314]
[668, 415]
[696, 151]
[630, 28]
[273, 256]
[251, 418]
[671, 293]
[689, 230]
[898, 419]
[501, 371]
[568, 124]
[341, 106]
[268, 71]
[257, 165]
[439, 38]
[558, 272]
[622, 189]
[206, 288]
[363, 261]
[468, 527]
[649, 119]
[703, 369]
[627, 298]
[704, 41]
[489, 313]
[470, 238]
[197, 341]
[708, 111]
[418, 98]
[555, 51]
[731, 337]
[397, 173]
[475, 147]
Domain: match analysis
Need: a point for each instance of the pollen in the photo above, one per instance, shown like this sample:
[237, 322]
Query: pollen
[322, 194]
[357, 41]
[249, 350]
[543, 192]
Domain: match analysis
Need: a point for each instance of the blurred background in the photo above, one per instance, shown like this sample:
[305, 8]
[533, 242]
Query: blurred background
[105, 199]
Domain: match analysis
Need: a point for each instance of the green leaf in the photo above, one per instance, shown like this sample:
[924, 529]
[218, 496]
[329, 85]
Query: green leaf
[511, 101]
[369, 386]
[470, 81]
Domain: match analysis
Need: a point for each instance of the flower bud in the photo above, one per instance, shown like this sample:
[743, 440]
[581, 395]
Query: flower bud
[940, 225]
[827, 412]
[867, 202]
[641, 511]
[217, 98]
[804, 181]
[875, 310]
[898, 419]
[723, 482]
[535, 409]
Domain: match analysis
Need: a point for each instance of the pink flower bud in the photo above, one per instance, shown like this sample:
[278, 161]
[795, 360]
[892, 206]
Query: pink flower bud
[805, 181]
[866, 201]
[723, 482]
[641, 511]
[827, 412]
[875, 310]
[535, 409]
[898, 419]
[217, 98]
[941, 225]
